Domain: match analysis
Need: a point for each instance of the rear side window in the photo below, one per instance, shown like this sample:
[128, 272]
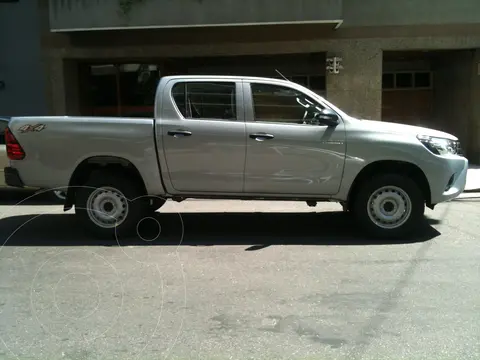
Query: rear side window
[206, 100]
[3, 126]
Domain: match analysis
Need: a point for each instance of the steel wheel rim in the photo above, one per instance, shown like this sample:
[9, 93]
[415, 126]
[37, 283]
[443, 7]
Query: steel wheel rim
[107, 207]
[389, 207]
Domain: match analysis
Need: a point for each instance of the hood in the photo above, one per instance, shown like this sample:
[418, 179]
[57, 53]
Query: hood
[395, 128]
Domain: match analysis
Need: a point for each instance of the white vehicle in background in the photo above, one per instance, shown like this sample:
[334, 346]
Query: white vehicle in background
[57, 195]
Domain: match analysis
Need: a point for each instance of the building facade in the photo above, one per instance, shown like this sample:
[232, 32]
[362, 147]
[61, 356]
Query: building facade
[415, 62]
[22, 74]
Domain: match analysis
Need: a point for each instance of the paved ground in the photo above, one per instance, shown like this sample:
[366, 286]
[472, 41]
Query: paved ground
[285, 283]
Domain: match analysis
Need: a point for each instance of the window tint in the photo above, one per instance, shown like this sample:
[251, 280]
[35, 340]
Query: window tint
[274, 103]
[3, 126]
[206, 100]
[180, 98]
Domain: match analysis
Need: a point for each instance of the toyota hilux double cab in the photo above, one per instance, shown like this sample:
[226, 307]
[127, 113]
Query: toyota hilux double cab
[233, 137]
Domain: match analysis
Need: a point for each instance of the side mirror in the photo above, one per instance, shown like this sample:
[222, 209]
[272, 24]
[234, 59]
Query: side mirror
[327, 117]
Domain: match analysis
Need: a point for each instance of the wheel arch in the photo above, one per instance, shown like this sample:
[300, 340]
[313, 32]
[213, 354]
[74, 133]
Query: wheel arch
[391, 166]
[109, 163]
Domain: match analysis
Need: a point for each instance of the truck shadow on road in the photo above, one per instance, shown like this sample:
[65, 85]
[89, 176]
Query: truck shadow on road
[26, 197]
[256, 230]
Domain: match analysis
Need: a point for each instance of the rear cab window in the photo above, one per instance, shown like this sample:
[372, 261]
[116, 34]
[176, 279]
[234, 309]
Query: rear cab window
[208, 100]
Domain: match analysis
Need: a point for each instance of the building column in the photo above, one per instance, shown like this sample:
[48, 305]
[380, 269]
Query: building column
[64, 86]
[57, 86]
[72, 87]
[357, 89]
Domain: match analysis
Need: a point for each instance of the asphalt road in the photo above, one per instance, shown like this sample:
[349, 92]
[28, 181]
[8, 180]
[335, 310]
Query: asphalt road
[266, 280]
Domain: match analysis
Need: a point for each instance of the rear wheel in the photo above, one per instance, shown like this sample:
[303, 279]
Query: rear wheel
[110, 205]
[59, 196]
[389, 206]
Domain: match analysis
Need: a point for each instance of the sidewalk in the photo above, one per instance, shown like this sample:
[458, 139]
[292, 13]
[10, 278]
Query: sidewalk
[473, 179]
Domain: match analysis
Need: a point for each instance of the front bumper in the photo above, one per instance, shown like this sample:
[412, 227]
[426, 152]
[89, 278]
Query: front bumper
[451, 183]
[12, 177]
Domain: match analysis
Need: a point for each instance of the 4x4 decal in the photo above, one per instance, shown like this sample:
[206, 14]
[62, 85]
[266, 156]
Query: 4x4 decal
[32, 128]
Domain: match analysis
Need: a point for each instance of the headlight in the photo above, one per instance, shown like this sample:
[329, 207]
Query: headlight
[440, 146]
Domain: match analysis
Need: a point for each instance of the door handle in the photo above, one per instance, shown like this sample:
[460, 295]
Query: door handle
[179, 133]
[261, 136]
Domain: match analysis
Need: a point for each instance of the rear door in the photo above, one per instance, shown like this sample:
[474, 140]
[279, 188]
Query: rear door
[203, 133]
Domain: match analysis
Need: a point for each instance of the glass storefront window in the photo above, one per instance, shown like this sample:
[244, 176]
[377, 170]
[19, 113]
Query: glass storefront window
[123, 89]
[128, 89]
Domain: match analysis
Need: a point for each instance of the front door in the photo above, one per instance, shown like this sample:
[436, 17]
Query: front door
[288, 152]
[203, 132]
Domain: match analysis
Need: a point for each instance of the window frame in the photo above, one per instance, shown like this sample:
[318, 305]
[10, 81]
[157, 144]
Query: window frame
[250, 106]
[414, 85]
[238, 98]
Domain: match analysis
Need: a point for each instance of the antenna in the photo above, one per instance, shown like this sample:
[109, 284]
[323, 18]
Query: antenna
[279, 73]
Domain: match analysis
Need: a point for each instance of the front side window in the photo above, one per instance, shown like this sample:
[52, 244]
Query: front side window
[206, 100]
[275, 103]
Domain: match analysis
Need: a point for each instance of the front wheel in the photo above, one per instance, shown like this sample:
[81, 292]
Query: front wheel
[110, 205]
[389, 206]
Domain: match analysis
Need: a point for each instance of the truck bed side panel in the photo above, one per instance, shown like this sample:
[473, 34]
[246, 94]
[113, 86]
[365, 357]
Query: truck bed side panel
[53, 153]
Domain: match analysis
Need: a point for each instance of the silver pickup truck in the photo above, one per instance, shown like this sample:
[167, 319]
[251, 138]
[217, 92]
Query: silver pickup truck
[232, 137]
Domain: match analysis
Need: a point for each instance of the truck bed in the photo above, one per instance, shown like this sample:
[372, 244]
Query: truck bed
[57, 148]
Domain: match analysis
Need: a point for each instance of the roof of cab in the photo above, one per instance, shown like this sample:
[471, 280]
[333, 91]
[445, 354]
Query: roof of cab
[223, 77]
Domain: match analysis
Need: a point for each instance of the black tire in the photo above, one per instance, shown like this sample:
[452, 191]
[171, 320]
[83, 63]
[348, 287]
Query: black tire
[155, 203]
[360, 203]
[132, 200]
[57, 198]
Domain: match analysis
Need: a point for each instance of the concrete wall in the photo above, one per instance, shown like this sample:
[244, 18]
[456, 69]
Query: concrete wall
[21, 67]
[87, 14]
[409, 12]
[357, 89]
[71, 14]
[415, 65]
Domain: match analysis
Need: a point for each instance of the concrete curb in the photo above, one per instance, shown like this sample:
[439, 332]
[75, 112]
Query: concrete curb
[472, 191]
